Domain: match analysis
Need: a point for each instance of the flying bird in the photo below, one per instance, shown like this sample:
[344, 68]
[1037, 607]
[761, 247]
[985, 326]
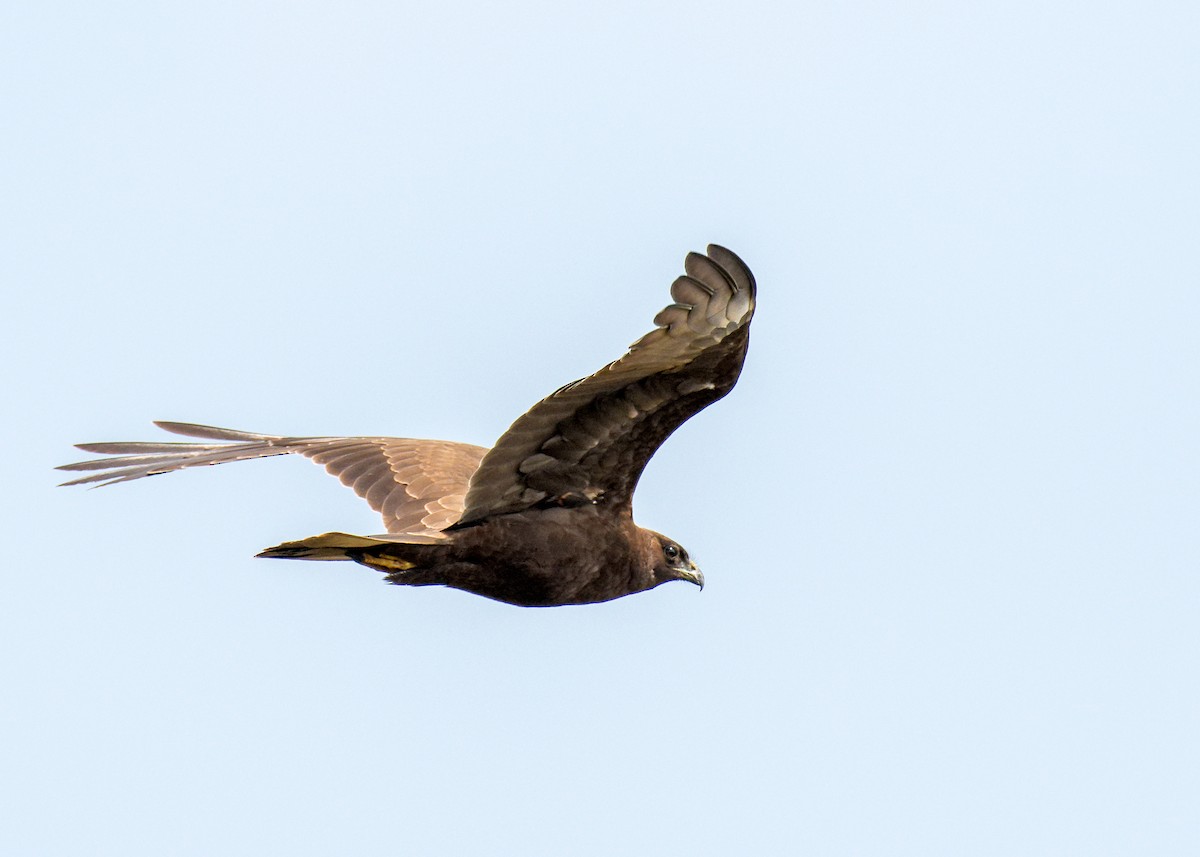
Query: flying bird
[545, 516]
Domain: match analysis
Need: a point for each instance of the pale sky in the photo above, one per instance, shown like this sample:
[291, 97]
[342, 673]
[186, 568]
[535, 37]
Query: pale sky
[948, 518]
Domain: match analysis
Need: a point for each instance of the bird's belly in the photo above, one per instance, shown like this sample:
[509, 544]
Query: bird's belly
[544, 559]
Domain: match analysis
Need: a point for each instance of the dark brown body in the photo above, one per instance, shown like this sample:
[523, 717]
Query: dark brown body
[538, 558]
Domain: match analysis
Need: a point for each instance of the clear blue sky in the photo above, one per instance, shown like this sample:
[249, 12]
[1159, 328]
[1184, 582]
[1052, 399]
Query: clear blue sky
[948, 518]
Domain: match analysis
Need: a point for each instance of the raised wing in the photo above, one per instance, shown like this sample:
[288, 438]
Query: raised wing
[418, 486]
[590, 440]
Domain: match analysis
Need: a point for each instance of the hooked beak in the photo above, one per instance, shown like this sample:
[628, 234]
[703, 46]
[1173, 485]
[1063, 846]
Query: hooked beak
[694, 575]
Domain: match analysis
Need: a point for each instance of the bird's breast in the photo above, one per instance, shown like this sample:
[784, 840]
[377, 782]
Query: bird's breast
[550, 556]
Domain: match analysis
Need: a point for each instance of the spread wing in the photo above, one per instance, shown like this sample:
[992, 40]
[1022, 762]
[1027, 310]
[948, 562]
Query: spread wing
[590, 440]
[418, 486]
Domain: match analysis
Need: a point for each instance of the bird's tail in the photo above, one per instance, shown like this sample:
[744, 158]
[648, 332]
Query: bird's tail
[393, 552]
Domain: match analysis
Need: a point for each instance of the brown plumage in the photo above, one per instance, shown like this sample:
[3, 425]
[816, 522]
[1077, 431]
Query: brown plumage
[544, 517]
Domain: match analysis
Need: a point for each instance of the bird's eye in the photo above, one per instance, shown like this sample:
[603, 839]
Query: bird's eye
[671, 552]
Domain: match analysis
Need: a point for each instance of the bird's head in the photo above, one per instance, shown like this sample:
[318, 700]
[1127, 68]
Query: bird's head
[670, 561]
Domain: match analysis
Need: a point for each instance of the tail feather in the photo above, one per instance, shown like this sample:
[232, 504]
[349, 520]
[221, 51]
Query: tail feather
[341, 546]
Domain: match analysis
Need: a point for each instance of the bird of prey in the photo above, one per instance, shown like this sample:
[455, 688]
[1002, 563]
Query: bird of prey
[544, 517]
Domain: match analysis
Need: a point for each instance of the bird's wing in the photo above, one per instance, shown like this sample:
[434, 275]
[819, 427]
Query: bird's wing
[590, 440]
[418, 486]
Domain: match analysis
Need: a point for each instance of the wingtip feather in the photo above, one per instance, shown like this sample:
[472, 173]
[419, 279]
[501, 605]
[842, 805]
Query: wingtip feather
[210, 432]
[737, 270]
